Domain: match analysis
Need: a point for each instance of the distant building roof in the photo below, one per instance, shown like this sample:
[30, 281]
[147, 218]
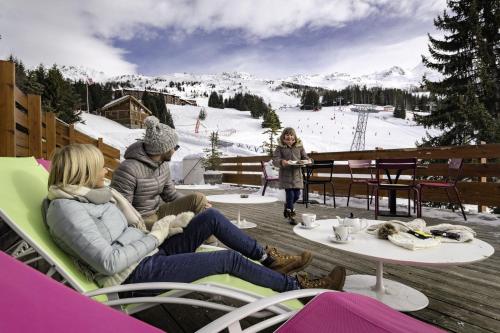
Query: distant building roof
[123, 99]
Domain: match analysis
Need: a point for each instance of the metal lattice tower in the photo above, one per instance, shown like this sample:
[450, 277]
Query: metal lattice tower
[358, 142]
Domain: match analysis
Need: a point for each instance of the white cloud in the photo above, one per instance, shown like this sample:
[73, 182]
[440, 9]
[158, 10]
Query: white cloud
[363, 58]
[81, 32]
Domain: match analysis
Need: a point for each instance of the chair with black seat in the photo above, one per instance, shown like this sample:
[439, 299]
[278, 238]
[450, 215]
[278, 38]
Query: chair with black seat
[358, 165]
[455, 166]
[393, 169]
[309, 175]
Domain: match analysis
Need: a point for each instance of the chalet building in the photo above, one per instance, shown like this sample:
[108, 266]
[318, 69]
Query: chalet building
[388, 108]
[169, 98]
[183, 101]
[126, 110]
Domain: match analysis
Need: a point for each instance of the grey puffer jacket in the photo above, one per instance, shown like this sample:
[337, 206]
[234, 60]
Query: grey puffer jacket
[98, 235]
[290, 176]
[144, 182]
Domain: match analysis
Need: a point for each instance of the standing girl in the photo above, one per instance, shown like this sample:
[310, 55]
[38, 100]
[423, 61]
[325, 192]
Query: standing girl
[289, 152]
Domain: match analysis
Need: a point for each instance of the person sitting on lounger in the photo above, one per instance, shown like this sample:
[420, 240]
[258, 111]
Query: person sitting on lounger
[100, 228]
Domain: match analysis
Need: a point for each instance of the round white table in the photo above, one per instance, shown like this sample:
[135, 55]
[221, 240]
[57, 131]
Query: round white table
[394, 294]
[197, 187]
[238, 200]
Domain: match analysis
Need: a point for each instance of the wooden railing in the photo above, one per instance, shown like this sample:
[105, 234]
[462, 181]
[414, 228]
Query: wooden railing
[25, 130]
[480, 174]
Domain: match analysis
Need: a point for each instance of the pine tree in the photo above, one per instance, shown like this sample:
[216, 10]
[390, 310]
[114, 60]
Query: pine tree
[212, 159]
[203, 114]
[468, 98]
[215, 101]
[271, 120]
[309, 100]
[399, 112]
[270, 145]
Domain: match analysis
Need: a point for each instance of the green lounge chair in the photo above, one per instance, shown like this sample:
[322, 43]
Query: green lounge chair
[24, 186]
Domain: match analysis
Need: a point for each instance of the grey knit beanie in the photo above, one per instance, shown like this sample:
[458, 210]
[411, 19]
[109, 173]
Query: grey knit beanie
[159, 138]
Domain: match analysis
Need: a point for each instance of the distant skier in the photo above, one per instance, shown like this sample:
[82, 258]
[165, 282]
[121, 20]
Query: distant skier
[289, 152]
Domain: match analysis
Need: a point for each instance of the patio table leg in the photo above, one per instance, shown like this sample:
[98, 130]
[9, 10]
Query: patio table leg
[242, 224]
[394, 294]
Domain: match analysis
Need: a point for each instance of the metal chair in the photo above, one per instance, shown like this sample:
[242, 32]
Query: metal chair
[309, 178]
[267, 178]
[455, 166]
[396, 166]
[356, 165]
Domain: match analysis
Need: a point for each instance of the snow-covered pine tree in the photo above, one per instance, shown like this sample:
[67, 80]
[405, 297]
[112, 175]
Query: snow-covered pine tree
[468, 98]
[203, 114]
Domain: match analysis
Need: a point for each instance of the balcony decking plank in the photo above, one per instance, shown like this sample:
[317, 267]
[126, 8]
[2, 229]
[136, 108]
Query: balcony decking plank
[462, 298]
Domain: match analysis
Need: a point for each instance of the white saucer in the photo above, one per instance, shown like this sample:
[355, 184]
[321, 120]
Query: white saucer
[312, 226]
[332, 238]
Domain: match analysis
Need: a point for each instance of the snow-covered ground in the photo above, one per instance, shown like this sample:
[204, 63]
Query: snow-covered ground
[330, 129]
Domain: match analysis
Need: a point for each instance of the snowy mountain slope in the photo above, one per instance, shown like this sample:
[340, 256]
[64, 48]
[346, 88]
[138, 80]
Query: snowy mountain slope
[330, 129]
[199, 86]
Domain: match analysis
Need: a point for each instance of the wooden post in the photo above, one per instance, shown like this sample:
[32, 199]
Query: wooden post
[50, 132]
[71, 134]
[239, 172]
[482, 209]
[7, 109]
[35, 125]
[100, 144]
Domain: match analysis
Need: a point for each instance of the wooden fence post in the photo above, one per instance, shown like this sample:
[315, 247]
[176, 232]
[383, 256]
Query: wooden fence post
[239, 172]
[50, 133]
[35, 125]
[100, 144]
[71, 133]
[482, 209]
[7, 109]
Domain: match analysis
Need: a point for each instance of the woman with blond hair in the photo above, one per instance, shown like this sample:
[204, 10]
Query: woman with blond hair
[288, 153]
[100, 228]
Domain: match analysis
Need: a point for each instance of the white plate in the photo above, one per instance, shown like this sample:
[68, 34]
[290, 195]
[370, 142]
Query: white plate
[332, 238]
[293, 162]
[312, 226]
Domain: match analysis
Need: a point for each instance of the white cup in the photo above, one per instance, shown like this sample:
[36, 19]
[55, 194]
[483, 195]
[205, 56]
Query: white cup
[308, 219]
[342, 232]
[356, 224]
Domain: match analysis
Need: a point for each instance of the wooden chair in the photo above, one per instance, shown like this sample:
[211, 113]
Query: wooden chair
[356, 165]
[455, 166]
[267, 178]
[393, 169]
[309, 178]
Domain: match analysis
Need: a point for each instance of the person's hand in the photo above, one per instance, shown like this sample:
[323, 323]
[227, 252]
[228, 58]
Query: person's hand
[160, 229]
[284, 162]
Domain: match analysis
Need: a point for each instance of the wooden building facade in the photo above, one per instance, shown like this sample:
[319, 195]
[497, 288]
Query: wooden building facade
[126, 110]
[168, 98]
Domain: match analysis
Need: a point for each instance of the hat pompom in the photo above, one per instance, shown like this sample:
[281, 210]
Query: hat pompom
[151, 122]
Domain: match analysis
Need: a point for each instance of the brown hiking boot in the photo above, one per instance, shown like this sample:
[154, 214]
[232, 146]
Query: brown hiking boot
[285, 263]
[335, 280]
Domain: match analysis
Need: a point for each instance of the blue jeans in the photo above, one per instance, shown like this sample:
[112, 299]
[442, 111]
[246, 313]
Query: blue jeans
[177, 262]
[292, 195]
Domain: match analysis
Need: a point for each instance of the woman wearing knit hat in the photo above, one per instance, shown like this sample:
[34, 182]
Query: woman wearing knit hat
[144, 177]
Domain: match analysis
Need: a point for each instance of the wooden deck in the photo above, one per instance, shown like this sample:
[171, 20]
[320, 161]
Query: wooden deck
[462, 298]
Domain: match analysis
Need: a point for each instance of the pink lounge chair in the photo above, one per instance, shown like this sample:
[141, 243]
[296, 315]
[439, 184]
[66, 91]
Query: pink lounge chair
[32, 302]
[45, 163]
[329, 312]
[352, 313]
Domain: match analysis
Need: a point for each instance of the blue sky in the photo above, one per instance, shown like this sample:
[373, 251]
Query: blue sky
[273, 38]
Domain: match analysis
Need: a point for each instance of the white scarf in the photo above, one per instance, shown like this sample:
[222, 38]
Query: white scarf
[99, 196]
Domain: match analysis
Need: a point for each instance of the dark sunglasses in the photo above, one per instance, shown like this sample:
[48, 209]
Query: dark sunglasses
[177, 147]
